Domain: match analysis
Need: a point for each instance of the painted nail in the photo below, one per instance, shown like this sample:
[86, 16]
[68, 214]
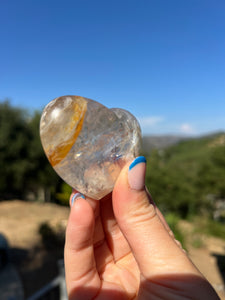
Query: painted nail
[75, 197]
[136, 173]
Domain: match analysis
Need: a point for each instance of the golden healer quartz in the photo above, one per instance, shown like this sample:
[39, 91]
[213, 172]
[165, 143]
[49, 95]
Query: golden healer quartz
[87, 143]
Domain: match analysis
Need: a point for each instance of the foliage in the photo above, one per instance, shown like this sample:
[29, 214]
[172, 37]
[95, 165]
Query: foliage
[63, 196]
[173, 222]
[209, 227]
[197, 241]
[181, 178]
[14, 140]
[24, 167]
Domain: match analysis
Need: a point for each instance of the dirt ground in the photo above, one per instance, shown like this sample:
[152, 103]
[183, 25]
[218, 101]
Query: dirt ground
[20, 222]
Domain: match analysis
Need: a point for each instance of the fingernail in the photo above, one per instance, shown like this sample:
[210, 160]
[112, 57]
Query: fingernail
[136, 173]
[75, 197]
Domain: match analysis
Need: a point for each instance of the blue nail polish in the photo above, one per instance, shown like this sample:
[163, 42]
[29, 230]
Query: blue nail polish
[76, 196]
[138, 160]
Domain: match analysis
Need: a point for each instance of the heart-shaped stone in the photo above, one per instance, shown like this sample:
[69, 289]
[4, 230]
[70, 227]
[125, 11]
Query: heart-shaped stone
[87, 144]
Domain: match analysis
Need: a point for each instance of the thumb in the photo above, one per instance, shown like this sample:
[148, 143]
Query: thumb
[154, 249]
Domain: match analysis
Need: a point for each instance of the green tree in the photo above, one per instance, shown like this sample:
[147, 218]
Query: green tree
[211, 176]
[14, 141]
[23, 164]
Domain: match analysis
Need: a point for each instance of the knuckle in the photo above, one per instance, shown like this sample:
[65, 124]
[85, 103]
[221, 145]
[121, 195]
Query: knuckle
[141, 212]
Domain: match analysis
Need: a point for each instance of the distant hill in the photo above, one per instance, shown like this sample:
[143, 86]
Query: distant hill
[160, 142]
[150, 142]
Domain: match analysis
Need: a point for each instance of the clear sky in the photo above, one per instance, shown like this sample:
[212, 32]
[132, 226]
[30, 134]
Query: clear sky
[163, 60]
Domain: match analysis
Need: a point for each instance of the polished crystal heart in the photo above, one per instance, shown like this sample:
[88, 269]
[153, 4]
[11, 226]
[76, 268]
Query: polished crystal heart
[87, 143]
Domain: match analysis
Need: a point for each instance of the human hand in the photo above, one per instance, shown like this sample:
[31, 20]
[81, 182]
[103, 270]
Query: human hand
[122, 248]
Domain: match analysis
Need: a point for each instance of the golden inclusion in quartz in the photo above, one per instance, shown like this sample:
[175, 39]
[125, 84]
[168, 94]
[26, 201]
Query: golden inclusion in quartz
[87, 144]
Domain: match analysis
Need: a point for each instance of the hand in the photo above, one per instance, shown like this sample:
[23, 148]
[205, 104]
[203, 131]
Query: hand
[122, 248]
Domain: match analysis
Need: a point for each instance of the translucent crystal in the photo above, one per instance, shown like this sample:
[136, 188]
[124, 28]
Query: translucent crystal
[87, 143]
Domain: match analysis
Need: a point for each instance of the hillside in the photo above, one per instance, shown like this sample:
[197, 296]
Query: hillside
[189, 177]
[150, 142]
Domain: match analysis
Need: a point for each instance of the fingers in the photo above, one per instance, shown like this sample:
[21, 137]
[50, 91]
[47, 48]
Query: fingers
[156, 252]
[79, 253]
[102, 251]
[115, 239]
[93, 203]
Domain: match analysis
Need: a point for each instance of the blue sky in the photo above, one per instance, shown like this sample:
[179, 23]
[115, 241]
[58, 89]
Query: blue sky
[163, 60]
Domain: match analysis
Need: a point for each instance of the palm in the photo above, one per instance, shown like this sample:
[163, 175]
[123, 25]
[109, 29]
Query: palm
[115, 264]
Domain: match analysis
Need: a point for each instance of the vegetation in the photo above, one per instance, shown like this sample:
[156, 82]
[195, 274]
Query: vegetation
[24, 168]
[64, 194]
[185, 179]
[173, 222]
[189, 178]
[209, 227]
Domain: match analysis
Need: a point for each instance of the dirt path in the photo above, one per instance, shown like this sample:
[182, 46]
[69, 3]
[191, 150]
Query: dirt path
[20, 222]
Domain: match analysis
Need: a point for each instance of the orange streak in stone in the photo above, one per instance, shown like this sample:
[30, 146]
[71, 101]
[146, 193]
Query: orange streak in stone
[61, 150]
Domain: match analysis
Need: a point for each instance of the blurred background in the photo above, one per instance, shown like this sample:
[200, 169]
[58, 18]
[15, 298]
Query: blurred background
[164, 61]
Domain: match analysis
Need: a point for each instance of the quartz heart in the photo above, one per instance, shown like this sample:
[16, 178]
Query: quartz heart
[87, 143]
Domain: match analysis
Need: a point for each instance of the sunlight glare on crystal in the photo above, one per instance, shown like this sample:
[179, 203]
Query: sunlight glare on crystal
[55, 113]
